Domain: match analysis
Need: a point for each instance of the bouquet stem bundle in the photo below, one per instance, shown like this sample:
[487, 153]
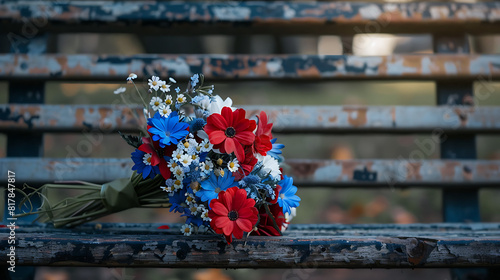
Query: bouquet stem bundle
[96, 201]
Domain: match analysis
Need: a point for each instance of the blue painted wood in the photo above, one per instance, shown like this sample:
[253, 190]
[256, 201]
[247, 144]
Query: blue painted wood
[458, 205]
[26, 144]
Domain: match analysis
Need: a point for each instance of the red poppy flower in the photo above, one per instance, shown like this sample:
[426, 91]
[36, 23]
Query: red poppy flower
[263, 135]
[266, 224]
[157, 154]
[229, 131]
[233, 213]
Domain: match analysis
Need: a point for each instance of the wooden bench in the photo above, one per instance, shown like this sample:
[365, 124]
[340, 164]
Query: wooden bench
[462, 241]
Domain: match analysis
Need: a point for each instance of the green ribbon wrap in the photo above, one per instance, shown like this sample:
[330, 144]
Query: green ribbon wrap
[96, 201]
[119, 195]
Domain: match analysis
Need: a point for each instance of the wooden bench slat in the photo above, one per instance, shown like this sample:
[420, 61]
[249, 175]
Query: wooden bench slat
[253, 17]
[286, 119]
[250, 67]
[334, 173]
[434, 245]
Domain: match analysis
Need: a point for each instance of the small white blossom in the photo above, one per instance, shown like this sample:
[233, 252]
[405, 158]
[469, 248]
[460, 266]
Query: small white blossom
[119, 90]
[154, 83]
[193, 209]
[207, 166]
[178, 172]
[204, 216]
[178, 184]
[164, 110]
[172, 164]
[190, 199]
[206, 146]
[186, 160]
[131, 77]
[181, 98]
[233, 165]
[177, 154]
[147, 159]
[187, 230]
[168, 189]
[168, 100]
[164, 87]
[155, 103]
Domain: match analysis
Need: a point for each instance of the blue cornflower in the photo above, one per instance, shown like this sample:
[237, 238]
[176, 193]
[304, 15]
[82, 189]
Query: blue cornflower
[141, 167]
[287, 198]
[177, 89]
[167, 130]
[195, 80]
[196, 124]
[177, 199]
[275, 152]
[211, 187]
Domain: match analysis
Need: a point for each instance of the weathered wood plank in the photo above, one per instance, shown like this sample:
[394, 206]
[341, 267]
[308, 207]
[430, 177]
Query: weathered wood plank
[158, 17]
[335, 173]
[286, 119]
[331, 247]
[250, 67]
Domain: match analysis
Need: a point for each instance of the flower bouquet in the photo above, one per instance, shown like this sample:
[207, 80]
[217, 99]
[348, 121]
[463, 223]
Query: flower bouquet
[199, 156]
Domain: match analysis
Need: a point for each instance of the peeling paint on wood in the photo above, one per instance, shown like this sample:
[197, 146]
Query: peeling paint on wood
[335, 173]
[286, 119]
[327, 246]
[214, 67]
[258, 17]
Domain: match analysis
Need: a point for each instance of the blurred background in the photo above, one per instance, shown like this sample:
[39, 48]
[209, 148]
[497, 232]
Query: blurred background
[319, 205]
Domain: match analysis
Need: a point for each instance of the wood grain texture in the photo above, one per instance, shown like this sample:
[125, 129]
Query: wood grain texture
[251, 67]
[158, 17]
[334, 173]
[286, 119]
[323, 246]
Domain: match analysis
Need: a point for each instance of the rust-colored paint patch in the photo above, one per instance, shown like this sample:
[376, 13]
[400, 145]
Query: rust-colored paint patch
[356, 116]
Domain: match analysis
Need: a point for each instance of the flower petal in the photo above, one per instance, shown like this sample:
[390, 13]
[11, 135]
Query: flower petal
[244, 224]
[219, 208]
[217, 137]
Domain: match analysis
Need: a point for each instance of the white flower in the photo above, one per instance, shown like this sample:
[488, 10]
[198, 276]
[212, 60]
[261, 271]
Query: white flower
[193, 209]
[204, 216]
[155, 103]
[178, 184]
[207, 166]
[187, 230]
[190, 199]
[269, 166]
[131, 77]
[164, 110]
[119, 90]
[178, 172]
[233, 165]
[181, 98]
[217, 104]
[172, 164]
[168, 189]
[164, 87]
[186, 160]
[172, 80]
[154, 82]
[168, 100]
[177, 154]
[147, 159]
[206, 146]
